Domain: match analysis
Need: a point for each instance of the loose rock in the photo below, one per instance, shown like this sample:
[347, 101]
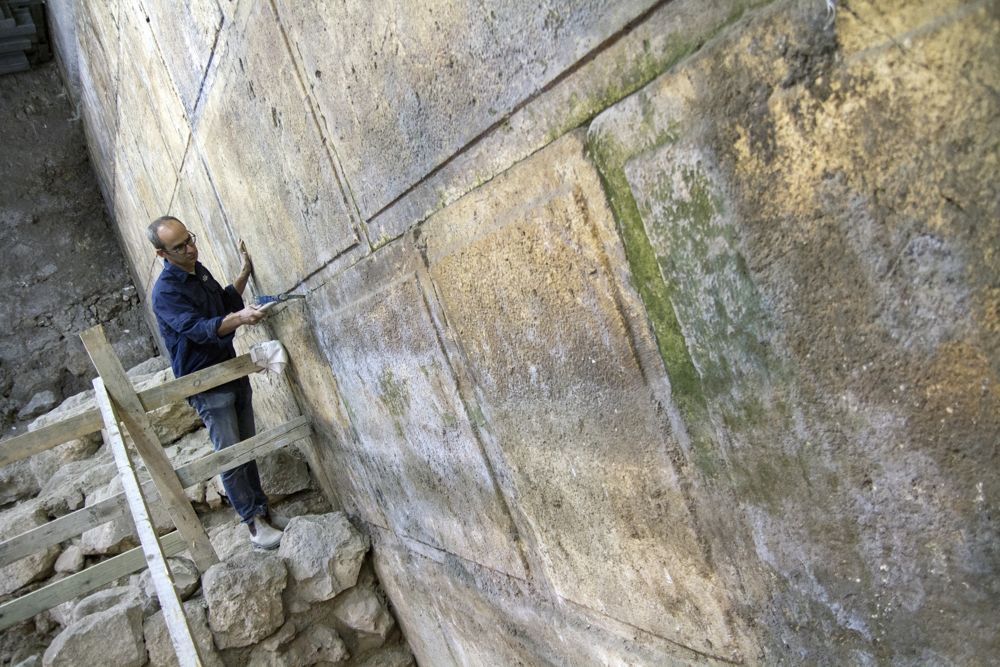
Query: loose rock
[361, 612]
[173, 421]
[117, 596]
[41, 402]
[109, 637]
[17, 482]
[244, 598]
[31, 568]
[282, 474]
[324, 555]
[118, 535]
[160, 647]
[390, 656]
[70, 560]
[316, 645]
[184, 573]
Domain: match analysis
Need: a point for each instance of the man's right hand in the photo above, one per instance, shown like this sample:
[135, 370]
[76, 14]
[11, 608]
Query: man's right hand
[251, 315]
[234, 321]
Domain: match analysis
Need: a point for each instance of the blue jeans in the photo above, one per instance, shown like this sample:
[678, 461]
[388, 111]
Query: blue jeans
[228, 414]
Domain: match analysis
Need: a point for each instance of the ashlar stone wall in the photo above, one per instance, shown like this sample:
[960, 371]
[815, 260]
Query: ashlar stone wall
[636, 332]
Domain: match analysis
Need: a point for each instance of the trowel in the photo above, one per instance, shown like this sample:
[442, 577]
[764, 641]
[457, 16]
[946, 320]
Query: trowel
[266, 302]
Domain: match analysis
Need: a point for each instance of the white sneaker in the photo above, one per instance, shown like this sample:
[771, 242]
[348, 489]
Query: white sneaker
[262, 535]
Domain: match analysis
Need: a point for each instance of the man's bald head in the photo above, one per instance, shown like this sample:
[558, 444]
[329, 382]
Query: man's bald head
[153, 231]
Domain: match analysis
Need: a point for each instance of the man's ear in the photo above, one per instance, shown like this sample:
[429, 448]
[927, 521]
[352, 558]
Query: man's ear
[160, 252]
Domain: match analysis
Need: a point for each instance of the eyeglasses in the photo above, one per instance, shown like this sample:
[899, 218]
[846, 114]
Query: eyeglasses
[179, 248]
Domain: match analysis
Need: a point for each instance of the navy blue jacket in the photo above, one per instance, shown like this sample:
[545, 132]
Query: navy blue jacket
[189, 309]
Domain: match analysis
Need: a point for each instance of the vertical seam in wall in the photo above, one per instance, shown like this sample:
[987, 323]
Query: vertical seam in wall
[676, 458]
[208, 67]
[180, 169]
[346, 192]
[424, 269]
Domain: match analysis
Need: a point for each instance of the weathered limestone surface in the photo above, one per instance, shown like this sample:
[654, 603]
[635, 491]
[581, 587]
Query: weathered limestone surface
[418, 445]
[97, 67]
[443, 602]
[38, 565]
[189, 29]
[424, 79]
[632, 59]
[816, 217]
[255, 116]
[545, 328]
[635, 333]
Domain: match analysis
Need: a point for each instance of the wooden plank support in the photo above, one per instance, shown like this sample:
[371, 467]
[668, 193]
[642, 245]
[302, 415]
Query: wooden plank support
[85, 423]
[195, 383]
[47, 437]
[61, 529]
[84, 582]
[148, 445]
[263, 443]
[163, 581]
[189, 474]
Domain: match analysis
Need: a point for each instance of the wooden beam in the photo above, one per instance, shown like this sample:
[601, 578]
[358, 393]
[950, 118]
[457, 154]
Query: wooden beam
[189, 474]
[247, 450]
[195, 383]
[148, 445]
[83, 582]
[62, 528]
[47, 437]
[163, 581]
[88, 422]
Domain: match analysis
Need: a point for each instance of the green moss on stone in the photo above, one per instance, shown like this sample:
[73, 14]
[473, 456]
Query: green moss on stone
[635, 69]
[395, 395]
[685, 382]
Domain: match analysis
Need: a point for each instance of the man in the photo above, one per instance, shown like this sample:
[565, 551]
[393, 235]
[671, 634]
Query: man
[198, 319]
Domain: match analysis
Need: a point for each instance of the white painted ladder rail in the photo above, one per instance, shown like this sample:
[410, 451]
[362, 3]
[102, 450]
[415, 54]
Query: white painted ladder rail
[163, 581]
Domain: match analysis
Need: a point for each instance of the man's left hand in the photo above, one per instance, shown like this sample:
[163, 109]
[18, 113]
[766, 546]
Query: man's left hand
[247, 262]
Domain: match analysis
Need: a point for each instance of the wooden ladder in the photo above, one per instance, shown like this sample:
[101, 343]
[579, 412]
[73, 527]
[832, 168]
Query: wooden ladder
[117, 403]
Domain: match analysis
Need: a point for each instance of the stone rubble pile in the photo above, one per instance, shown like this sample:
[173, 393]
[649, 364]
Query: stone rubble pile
[314, 601]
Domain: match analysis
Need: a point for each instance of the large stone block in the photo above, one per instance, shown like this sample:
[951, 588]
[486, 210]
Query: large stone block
[529, 273]
[196, 204]
[818, 282]
[315, 388]
[185, 33]
[403, 86]
[454, 612]
[148, 101]
[417, 445]
[282, 184]
[636, 56]
[97, 36]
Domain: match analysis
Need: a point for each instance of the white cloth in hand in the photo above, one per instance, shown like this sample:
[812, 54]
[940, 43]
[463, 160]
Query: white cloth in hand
[270, 356]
